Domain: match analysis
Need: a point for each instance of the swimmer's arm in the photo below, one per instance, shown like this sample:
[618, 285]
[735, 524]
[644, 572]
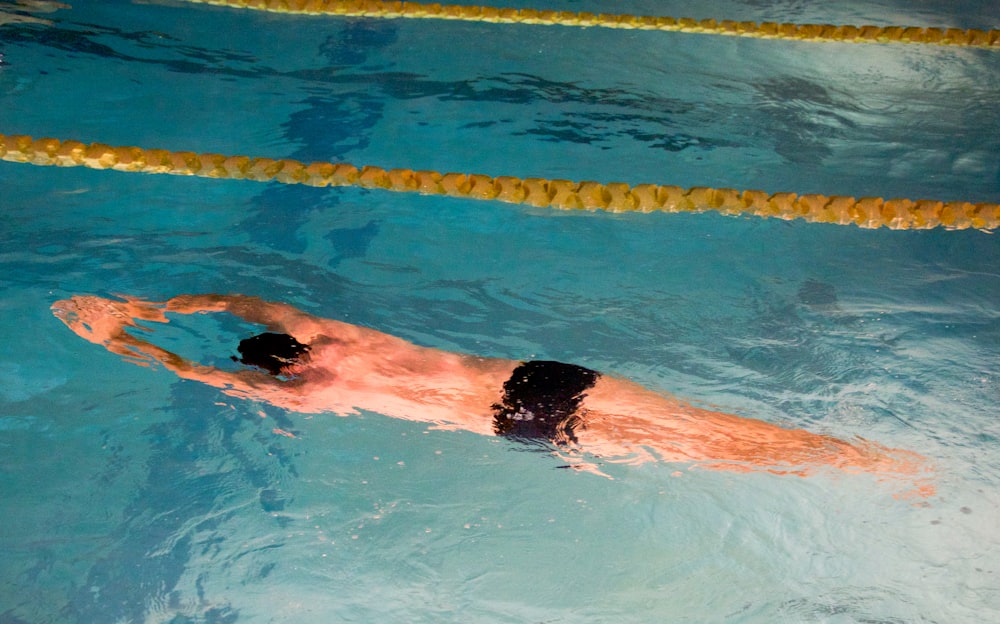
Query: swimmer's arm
[278, 317]
[144, 353]
[106, 321]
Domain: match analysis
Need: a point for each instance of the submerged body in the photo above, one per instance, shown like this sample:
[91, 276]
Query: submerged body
[342, 368]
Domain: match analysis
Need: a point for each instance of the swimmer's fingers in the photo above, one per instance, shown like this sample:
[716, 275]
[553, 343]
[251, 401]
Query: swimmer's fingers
[94, 319]
[94, 310]
[64, 310]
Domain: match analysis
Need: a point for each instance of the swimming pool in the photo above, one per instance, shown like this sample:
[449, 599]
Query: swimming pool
[131, 496]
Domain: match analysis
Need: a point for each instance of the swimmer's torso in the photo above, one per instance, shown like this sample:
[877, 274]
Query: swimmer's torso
[397, 379]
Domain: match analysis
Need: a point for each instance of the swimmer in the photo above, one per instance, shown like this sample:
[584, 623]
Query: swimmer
[304, 363]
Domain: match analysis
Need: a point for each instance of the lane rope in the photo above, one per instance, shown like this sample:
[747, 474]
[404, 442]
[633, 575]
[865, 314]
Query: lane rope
[497, 15]
[866, 212]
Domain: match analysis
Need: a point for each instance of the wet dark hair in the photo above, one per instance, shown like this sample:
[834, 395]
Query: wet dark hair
[271, 352]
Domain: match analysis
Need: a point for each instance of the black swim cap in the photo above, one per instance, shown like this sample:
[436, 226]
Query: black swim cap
[271, 352]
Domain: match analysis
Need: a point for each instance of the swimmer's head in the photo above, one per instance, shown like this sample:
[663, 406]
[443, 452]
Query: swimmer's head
[271, 352]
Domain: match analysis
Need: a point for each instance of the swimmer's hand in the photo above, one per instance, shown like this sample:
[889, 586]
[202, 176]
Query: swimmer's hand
[104, 321]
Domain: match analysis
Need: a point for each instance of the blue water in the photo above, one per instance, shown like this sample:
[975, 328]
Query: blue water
[131, 496]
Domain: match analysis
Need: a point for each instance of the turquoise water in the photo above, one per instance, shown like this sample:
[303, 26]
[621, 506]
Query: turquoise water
[131, 496]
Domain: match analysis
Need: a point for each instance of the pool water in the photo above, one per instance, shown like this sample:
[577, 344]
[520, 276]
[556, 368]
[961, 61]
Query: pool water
[131, 496]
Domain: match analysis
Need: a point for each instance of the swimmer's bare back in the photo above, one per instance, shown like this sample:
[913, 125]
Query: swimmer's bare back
[347, 368]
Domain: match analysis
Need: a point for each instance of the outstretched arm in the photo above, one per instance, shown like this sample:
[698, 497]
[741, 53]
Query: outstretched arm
[106, 321]
[277, 317]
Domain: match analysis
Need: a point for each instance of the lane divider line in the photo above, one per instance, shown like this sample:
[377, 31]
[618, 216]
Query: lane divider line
[865, 212]
[497, 15]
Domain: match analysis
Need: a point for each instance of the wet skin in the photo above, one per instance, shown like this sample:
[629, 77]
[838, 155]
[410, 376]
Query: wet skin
[350, 368]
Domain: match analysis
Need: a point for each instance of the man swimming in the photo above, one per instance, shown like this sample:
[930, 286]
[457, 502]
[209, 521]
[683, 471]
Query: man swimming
[304, 363]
